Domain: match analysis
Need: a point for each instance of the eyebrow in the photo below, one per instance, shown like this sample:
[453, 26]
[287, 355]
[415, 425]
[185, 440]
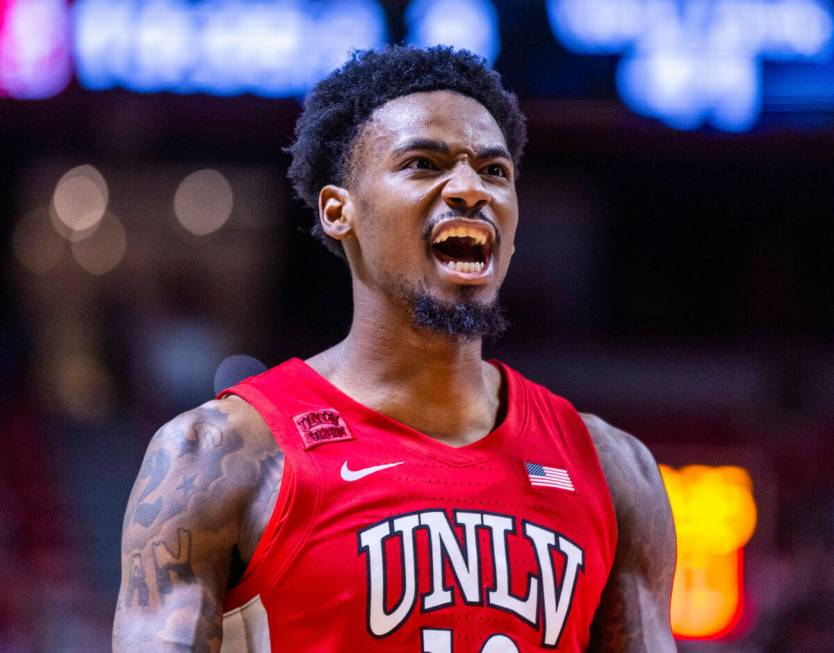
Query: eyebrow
[432, 145]
[493, 152]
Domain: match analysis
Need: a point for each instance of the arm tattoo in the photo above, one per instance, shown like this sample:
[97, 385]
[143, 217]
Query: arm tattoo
[154, 470]
[271, 471]
[136, 584]
[193, 625]
[204, 441]
[270, 474]
[187, 486]
[186, 516]
[166, 563]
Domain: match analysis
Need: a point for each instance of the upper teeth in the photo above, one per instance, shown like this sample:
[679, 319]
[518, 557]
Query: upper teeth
[462, 232]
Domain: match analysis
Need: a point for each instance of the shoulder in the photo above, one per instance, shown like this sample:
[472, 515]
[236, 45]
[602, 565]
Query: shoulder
[645, 528]
[217, 428]
[217, 423]
[629, 466]
[204, 461]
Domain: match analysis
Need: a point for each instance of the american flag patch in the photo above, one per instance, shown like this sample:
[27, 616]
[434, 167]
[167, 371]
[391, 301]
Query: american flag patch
[542, 476]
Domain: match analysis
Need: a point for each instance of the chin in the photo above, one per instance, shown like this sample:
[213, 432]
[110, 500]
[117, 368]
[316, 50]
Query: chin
[466, 318]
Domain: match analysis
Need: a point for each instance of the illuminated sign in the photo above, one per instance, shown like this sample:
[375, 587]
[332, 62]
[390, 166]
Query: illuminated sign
[715, 516]
[275, 48]
[689, 63]
[695, 62]
[222, 47]
[35, 60]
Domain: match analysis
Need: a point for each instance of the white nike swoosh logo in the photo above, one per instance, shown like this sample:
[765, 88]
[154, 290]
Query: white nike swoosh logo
[351, 475]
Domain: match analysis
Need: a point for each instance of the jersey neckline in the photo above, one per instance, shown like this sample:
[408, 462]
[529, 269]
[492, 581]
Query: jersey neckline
[357, 415]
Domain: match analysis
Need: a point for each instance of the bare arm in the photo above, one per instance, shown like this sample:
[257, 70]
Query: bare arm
[207, 480]
[633, 616]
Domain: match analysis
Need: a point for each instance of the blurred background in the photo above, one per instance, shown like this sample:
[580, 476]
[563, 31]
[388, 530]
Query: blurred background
[674, 271]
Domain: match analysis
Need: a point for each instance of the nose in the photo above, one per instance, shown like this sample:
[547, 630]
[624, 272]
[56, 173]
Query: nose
[465, 190]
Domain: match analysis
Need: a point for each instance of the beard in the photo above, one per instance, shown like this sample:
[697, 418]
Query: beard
[465, 319]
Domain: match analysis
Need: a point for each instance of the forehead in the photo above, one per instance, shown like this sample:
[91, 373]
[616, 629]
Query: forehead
[455, 119]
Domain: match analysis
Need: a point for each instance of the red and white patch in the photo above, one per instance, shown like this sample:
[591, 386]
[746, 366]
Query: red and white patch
[321, 426]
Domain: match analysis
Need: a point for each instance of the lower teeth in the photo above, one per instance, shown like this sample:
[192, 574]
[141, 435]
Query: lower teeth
[465, 266]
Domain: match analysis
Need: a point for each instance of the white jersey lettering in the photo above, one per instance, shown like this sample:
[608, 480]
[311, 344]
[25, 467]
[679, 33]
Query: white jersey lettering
[464, 555]
[380, 622]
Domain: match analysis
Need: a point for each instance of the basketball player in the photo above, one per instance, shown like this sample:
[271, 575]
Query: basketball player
[396, 492]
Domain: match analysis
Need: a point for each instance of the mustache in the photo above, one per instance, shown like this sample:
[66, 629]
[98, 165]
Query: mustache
[473, 214]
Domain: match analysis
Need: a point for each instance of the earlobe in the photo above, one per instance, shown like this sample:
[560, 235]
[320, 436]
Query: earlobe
[336, 212]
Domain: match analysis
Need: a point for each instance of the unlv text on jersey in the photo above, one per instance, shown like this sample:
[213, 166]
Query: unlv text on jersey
[392, 556]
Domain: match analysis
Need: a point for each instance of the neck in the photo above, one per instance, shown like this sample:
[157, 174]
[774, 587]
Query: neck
[436, 384]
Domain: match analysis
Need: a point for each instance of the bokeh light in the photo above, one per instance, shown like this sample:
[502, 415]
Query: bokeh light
[104, 249]
[713, 507]
[696, 63]
[468, 24]
[715, 516]
[344, 26]
[36, 245]
[203, 202]
[278, 48]
[66, 232]
[83, 387]
[81, 198]
[35, 48]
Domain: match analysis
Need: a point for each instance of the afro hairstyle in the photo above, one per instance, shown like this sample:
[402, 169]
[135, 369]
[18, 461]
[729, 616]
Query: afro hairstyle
[337, 108]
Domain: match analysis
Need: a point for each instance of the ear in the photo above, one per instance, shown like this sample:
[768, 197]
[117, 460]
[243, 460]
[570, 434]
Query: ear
[336, 212]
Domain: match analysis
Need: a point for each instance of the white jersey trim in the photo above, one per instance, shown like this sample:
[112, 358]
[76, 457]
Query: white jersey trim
[246, 629]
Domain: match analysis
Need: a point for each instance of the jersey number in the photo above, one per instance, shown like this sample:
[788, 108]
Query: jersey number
[440, 641]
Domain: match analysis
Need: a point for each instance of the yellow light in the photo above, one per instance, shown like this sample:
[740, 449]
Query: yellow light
[715, 516]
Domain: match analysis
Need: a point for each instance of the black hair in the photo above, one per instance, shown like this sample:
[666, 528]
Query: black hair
[339, 105]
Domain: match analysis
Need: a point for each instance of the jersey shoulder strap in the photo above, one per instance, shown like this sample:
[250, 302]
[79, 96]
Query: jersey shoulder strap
[298, 422]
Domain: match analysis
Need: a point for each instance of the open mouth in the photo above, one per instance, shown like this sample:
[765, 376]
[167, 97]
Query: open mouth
[463, 246]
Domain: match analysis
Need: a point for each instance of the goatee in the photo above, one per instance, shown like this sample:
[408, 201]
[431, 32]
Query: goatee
[465, 319]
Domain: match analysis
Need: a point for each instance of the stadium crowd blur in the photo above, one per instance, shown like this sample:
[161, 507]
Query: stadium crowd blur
[678, 283]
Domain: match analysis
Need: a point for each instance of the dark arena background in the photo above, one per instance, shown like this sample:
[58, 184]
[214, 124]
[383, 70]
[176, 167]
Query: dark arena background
[674, 265]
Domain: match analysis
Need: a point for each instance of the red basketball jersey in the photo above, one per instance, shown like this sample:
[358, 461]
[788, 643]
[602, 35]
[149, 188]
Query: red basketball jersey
[384, 539]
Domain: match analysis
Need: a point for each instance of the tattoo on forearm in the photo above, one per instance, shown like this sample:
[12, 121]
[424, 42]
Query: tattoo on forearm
[168, 564]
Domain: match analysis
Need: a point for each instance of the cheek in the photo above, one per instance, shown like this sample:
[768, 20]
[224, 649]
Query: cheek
[392, 218]
[391, 239]
[510, 225]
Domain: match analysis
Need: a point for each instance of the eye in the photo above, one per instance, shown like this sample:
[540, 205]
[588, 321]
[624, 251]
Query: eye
[496, 170]
[420, 163]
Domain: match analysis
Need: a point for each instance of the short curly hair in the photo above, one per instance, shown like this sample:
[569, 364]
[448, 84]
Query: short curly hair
[337, 108]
